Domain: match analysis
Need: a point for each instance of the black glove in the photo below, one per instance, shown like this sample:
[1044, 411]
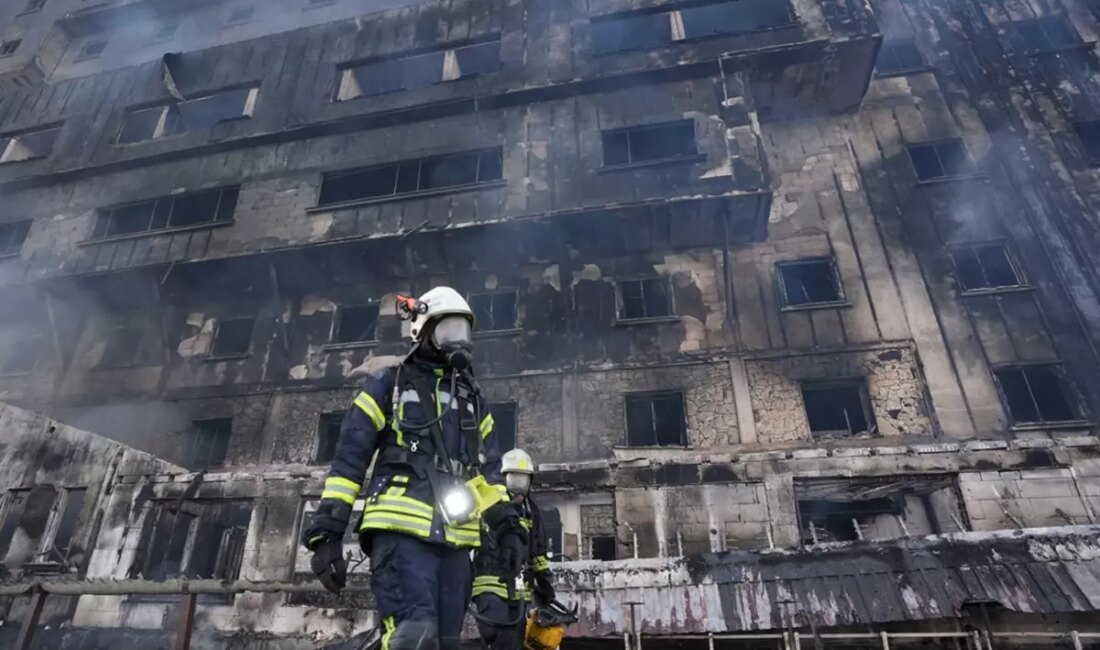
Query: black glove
[501, 515]
[329, 566]
[544, 586]
[513, 552]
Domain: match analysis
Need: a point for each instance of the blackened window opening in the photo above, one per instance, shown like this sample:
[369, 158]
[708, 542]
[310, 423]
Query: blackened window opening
[655, 420]
[233, 338]
[425, 174]
[836, 408]
[130, 337]
[7, 48]
[940, 160]
[12, 236]
[898, 56]
[14, 503]
[92, 49]
[328, 434]
[1089, 135]
[809, 282]
[649, 143]
[504, 425]
[647, 30]
[197, 540]
[189, 115]
[1046, 34]
[602, 547]
[26, 518]
[1035, 394]
[165, 213]
[494, 311]
[418, 70]
[355, 324]
[645, 298]
[28, 145]
[985, 266]
[552, 528]
[208, 443]
[838, 521]
[68, 519]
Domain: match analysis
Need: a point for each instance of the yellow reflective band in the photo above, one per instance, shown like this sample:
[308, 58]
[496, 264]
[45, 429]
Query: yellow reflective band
[340, 489]
[523, 464]
[526, 523]
[367, 404]
[541, 563]
[394, 509]
[389, 626]
[490, 585]
[397, 523]
[486, 425]
[405, 502]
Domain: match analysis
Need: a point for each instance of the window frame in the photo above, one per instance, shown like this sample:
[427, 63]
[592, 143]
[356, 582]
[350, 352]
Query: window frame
[193, 429]
[157, 37]
[155, 512]
[214, 355]
[142, 356]
[53, 525]
[322, 422]
[1041, 22]
[5, 43]
[860, 385]
[410, 194]
[514, 405]
[901, 71]
[1078, 417]
[449, 51]
[677, 30]
[686, 157]
[1090, 160]
[15, 227]
[671, 317]
[479, 331]
[162, 131]
[13, 137]
[337, 317]
[837, 281]
[83, 55]
[148, 232]
[1021, 279]
[685, 442]
[972, 167]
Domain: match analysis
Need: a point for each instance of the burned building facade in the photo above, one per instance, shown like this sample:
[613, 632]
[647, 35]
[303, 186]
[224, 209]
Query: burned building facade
[796, 302]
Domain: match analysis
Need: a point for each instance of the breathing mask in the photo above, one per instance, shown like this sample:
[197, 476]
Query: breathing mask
[452, 337]
[517, 483]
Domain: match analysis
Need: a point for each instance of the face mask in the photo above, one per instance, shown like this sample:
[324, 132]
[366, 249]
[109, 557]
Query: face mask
[451, 336]
[517, 483]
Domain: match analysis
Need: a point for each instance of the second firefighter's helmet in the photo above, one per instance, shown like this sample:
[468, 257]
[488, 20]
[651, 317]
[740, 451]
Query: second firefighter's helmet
[518, 471]
[440, 302]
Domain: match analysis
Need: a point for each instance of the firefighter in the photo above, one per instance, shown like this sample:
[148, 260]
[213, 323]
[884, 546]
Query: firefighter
[501, 607]
[428, 423]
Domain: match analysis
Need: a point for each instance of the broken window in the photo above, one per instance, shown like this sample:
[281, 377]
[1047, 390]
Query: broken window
[837, 408]
[190, 115]
[208, 443]
[355, 324]
[7, 48]
[897, 57]
[418, 70]
[1044, 34]
[602, 547]
[28, 145]
[810, 282]
[1035, 394]
[438, 172]
[196, 540]
[940, 159]
[91, 49]
[12, 236]
[645, 298]
[646, 30]
[328, 434]
[655, 419]
[129, 339]
[26, 516]
[242, 14]
[180, 211]
[504, 425]
[633, 32]
[20, 346]
[736, 17]
[1089, 135]
[67, 517]
[650, 142]
[233, 338]
[494, 311]
[985, 266]
[835, 510]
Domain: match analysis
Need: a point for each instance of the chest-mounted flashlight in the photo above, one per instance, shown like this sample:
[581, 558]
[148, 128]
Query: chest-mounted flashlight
[462, 503]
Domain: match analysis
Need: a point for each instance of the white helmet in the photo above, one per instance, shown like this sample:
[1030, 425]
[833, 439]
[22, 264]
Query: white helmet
[518, 471]
[440, 301]
[517, 461]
